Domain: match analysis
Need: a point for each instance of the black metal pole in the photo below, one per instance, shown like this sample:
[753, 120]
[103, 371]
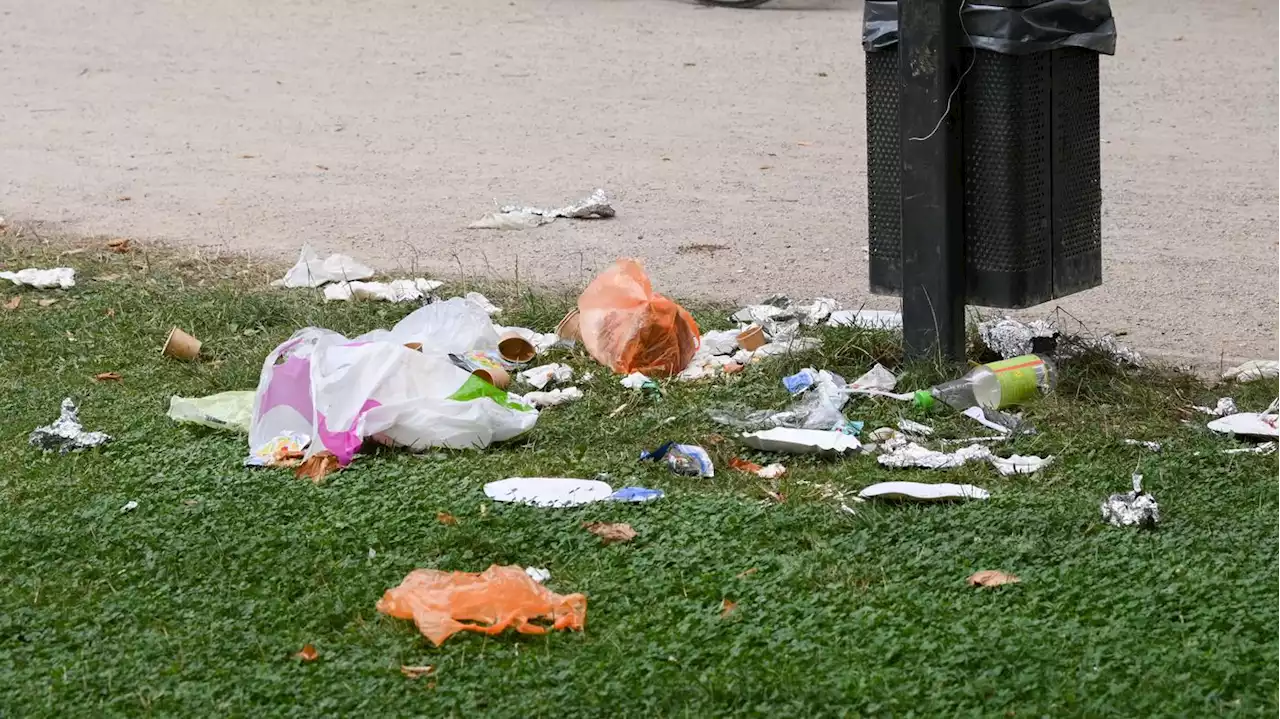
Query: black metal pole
[933, 281]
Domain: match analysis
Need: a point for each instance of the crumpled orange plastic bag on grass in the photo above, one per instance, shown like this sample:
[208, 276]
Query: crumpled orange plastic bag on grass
[499, 597]
[627, 327]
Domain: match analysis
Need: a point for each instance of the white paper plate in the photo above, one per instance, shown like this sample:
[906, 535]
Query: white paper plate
[922, 492]
[548, 491]
[802, 441]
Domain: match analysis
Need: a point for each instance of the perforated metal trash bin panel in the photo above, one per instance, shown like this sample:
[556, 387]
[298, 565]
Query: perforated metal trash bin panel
[1032, 219]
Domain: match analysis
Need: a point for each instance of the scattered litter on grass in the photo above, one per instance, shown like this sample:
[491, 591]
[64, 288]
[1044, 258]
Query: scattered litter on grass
[1249, 424]
[416, 672]
[800, 381]
[516, 217]
[317, 466]
[1010, 338]
[1001, 422]
[1264, 448]
[394, 291]
[1153, 446]
[500, 597]
[638, 381]
[341, 391]
[610, 533]
[308, 653]
[866, 319]
[995, 385]
[908, 426]
[772, 471]
[66, 434]
[751, 338]
[564, 492]
[876, 380]
[538, 574]
[629, 328]
[923, 492]
[1136, 508]
[1253, 370]
[60, 277]
[991, 578]
[478, 300]
[541, 341]
[225, 410]
[1224, 407]
[554, 398]
[540, 377]
[818, 407]
[285, 450]
[686, 459]
[914, 455]
[1020, 464]
[129, 506]
[802, 441]
[180, 345]
[311, 271]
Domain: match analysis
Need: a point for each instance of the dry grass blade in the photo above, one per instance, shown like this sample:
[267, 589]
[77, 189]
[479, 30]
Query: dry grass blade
[416, 672]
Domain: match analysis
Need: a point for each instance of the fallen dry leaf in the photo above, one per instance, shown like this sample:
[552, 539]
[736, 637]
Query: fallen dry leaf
[748, 572]
[107, 278]
[610, 532]
[14, 303]
[111, 312]
[286, 457]
[317, 467]
[743, 465]
[991, 578]
[308, 653]
[107, 377]
[247, 156]
[120, 244]
[446, 518]
[124, 198]
[77, 251]
[726, 607]
[775, 496]
[322, 167]
[415, 672]
[191, 502]
[47, 302]
[804, 143]
[714, 439]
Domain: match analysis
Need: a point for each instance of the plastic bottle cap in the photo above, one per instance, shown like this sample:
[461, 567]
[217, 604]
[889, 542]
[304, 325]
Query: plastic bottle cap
[923, 399]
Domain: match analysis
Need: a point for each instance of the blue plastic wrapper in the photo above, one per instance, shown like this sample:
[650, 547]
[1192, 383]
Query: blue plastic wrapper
[636, 494]
[686, 459]
[800, 381]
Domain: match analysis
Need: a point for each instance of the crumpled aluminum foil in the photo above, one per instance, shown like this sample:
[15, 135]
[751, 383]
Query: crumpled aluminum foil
[66, 434]
[1129, 509]
[1011, 338]
[515, 217]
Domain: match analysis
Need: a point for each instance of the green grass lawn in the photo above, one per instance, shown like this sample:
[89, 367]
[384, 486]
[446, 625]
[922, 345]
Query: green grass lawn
[195, 603]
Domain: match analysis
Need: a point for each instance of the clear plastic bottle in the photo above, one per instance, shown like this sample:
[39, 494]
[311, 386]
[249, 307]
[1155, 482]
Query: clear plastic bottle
[997, 385]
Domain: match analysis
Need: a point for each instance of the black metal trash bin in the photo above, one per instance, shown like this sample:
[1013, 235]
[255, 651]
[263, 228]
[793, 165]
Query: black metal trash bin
[1029, 118]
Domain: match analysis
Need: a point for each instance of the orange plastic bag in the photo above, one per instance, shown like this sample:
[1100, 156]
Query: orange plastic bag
[499, 597]
[629, 328]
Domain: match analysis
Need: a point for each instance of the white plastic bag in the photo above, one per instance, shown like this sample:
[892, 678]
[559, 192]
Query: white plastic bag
[341, 392]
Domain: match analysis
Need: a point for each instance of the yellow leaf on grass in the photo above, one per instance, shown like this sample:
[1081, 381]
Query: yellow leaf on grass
[610, 532]
[991, 578]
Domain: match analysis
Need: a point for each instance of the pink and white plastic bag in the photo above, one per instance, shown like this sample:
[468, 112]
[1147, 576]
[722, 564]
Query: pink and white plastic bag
[340, 392]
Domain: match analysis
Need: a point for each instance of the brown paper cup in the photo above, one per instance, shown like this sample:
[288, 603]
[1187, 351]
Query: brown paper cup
[568, 327]
[181, 345]
[515, 348]
[494, 376]
[752, 339]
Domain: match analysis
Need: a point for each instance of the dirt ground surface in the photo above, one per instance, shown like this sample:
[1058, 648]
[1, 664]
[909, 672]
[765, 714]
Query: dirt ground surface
[732, 141]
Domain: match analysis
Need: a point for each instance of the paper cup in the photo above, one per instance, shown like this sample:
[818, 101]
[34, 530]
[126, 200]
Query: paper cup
[494, 376]
[181, 345]
[752, 339]
[515, 348]
[568, 327]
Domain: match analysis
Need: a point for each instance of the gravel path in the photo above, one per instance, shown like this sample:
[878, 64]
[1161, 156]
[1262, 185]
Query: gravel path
[733, 142]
